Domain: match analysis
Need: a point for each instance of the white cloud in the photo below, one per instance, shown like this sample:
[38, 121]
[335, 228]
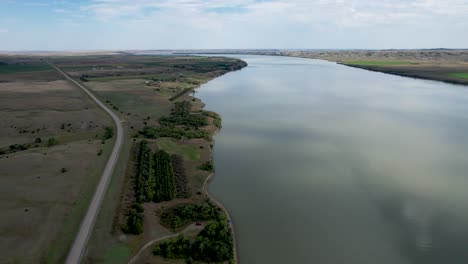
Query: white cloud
[171, 24]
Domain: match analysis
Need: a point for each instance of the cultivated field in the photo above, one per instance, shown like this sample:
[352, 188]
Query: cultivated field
[51, 156]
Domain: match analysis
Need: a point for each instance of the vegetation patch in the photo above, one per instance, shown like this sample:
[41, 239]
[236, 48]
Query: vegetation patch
[463, 75]
[134, 223]
[179, 176]
[108, 133]
[207, 166]
[379, 63]
[215, 116]
[11, 68]
[165, 184]
[213, 244]
[184, 214]
[173, 132]
[181, 123]
[188, 152]
[181, 116]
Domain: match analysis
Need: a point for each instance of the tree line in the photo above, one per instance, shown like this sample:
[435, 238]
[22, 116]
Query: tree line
[184, 214]
[181, 123]
[155, 181]
[213, 244]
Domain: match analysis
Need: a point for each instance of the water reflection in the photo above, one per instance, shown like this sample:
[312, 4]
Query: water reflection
[321, 163]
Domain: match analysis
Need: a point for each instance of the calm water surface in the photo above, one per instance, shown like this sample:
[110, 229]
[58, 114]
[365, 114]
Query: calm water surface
[322, 163]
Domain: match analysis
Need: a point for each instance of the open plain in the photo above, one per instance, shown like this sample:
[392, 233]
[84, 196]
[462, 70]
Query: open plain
[52, 153]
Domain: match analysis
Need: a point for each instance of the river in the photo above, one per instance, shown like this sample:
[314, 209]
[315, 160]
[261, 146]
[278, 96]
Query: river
[322, 163]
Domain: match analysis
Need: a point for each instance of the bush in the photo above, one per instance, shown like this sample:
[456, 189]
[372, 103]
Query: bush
[52, 142]
[134, 223]
[214, 244]
[109, 133]
[38, 140]
[184, 214]
[207, 166]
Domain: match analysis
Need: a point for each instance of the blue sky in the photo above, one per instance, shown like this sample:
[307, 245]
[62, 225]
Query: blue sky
[210, 24]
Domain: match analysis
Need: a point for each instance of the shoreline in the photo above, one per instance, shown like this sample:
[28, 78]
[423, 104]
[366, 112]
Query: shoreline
[226, 212]
[397, 72]
[403, 72]
[212, 198]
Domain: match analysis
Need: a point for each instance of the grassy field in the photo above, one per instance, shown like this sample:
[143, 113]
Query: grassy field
[380, 63]
[45, 188]
[463, 75]
[12, 68]
[188, 151]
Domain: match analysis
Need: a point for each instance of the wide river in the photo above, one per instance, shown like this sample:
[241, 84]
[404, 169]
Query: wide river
[323, 163]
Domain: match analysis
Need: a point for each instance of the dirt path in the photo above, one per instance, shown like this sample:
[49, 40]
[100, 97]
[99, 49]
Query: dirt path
[82, 237]
[150, 243]
[193, 227]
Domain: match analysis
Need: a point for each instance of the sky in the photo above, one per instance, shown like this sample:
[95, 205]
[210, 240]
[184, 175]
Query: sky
[232, 24]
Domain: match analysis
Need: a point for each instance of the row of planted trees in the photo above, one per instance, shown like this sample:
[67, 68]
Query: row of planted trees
[155, 176]
[154, 182]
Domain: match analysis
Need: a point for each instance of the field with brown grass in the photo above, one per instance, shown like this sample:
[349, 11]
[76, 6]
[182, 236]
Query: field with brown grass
[51, 158]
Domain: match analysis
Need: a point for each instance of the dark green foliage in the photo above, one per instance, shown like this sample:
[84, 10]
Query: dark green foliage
[52, 142]
[180, 124]
[187, 213]
[207, 166]
[18, 147]
[38, 140]
[215, 116]
[155, 176]
[179, 176]
[173, 132]
[213, 245]
[181, 116]
[179, 94]
[109, 133]
[174, 249]
[138, 208]
[83, 78]
[165, 185]
[10, 68]
[143, 173]
[151, 180]
[134, 223]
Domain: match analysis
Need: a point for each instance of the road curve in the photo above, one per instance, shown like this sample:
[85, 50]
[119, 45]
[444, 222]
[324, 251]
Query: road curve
[86, 227]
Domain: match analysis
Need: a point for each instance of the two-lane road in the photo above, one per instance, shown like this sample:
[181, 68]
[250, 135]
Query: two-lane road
[81, 239]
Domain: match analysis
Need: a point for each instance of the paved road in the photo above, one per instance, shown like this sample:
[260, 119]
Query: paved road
[81, 239]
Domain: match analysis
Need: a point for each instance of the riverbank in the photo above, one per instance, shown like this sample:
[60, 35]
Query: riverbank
[431, 72]
[445, 65]
[186, 132]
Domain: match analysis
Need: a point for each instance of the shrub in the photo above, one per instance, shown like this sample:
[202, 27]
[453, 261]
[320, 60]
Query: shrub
[207, 166]
[52, 142]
